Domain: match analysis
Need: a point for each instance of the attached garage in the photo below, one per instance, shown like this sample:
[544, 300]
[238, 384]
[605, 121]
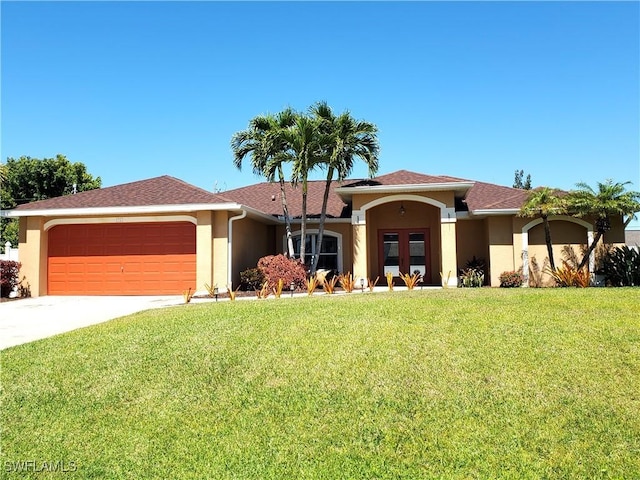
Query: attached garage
[121, 259]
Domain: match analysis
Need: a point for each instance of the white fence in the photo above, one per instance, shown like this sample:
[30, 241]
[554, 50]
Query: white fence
[10, 253]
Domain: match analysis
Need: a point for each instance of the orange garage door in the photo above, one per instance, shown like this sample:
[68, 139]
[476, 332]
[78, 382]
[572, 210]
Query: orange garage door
[122, 259]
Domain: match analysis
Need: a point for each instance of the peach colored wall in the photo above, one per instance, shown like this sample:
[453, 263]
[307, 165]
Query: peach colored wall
[442, 197]
[204, 250]
[251, 241]
[471, 236]
[501, 248]
[32, 242]
[220, 249]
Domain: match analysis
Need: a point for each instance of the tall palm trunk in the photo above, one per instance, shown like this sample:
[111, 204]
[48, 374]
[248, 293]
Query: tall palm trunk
[547, 239]
[303, 223]
[323, 215]
[591, 248]
[285, 211]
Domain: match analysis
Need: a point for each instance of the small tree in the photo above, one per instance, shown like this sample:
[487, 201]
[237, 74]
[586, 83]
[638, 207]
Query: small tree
[27, 179]
[518, 181]
[608, 200]
[544, 202]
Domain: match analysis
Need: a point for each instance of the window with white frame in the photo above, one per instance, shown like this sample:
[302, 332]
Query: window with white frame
[329, 252]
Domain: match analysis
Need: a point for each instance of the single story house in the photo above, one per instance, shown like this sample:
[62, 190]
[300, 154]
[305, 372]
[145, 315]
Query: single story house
[163, 236]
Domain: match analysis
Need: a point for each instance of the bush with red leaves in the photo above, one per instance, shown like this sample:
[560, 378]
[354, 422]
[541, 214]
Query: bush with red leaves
[275, 267]
[8, 276]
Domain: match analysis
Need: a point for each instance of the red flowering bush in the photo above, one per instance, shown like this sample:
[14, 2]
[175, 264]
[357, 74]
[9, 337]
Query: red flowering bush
[276, 267]
[8, 276]
[511, 279]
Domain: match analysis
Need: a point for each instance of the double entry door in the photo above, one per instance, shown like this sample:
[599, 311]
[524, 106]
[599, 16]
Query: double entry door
[404, 251]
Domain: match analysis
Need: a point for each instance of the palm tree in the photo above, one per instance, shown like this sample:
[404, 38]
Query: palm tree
[344, 140]
[543, 202]
[264, 142]
[609, 199]
[304, 147]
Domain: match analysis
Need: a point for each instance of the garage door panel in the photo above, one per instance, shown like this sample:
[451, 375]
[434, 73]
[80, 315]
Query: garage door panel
[122, 259]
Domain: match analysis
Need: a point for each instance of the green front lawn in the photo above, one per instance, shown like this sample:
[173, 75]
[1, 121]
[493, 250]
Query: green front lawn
[474, 383]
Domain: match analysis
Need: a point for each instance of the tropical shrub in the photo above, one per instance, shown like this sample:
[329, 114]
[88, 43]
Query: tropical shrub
[473, 274]
[347, 282]
[471, 278]
[511, 279]
[329, 285]
[536, 272]
[231, 292]
[411, 280]
[278, 287]
[251, 279]
[570, 276]
[263, 291]
[8, 276]
[276, 267]
[477, 264]
[312, 284]
[389, 276]
[188, 295]
[621, 267]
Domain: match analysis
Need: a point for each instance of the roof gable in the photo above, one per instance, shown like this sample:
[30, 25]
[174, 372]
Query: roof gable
[164, 190]
[403, 177]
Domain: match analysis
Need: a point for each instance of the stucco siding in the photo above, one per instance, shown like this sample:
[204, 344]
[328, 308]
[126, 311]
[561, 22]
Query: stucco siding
[471, 240]
[251, 241]
[501, 250]
[362, 199]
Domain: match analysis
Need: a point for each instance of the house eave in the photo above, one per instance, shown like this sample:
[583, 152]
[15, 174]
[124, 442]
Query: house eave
[126, 210]
[347, 192]
[494, 211]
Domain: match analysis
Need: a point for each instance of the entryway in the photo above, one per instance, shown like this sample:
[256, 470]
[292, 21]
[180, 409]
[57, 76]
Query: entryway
[404, 250]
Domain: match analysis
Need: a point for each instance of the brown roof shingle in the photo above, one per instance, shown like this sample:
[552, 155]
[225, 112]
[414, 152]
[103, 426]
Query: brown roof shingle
[488, 196]
[164, 190]
[403, 177]
[265, 197]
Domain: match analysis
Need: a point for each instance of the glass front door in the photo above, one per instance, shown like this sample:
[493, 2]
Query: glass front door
[404, 251]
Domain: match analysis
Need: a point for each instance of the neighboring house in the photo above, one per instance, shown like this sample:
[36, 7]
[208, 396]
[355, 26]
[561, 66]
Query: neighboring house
[162, 235]
[632, 238]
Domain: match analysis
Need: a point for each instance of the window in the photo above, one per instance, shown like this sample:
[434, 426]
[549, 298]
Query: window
[329, 253]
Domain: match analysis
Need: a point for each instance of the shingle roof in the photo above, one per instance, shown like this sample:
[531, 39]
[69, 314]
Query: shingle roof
[265, 197]
[488, 196]
[164, 190]
[405, 177]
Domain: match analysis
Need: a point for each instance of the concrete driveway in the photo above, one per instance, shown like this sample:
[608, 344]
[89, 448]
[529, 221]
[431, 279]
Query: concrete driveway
[29, 319]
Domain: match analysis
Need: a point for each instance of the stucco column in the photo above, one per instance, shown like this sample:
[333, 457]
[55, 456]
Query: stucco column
[33, 255]
[220, 253]
[204, 249]
[448, 253]
[359, 248]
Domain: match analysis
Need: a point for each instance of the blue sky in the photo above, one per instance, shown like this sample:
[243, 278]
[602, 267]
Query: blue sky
[469, 89]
